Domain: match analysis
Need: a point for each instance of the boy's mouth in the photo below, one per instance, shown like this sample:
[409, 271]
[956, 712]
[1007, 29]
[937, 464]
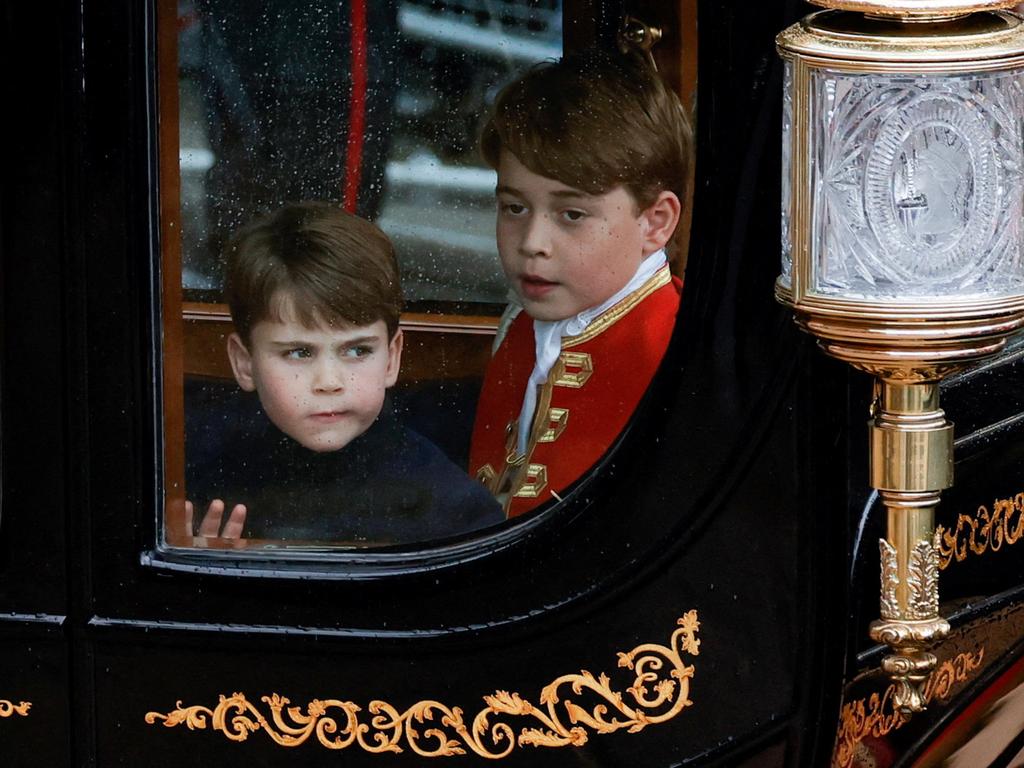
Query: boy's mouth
[534, 287]
[328, 417]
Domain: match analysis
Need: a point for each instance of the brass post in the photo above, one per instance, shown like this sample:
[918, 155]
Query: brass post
[911, 462]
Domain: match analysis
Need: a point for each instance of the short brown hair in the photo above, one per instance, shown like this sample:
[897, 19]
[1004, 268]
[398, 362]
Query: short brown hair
[594, 121]
[332, 265]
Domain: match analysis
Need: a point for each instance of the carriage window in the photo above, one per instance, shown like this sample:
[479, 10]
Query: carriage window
[323, 380]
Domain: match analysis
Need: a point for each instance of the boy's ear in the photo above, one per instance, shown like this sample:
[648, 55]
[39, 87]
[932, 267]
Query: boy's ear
[659, 221]
[241, 362]
[394, 359]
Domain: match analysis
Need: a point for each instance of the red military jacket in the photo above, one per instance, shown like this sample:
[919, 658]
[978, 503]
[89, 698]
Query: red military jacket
[590, 393]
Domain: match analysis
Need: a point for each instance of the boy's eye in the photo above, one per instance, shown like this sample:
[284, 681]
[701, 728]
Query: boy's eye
[574, 215]
[360, 350]
[513, 209]
[298, 353]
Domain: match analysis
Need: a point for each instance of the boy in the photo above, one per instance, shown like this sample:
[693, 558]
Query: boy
[315, 299]
[592, 158]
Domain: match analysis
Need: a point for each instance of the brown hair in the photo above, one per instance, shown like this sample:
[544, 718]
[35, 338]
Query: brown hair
[332, 265]
[594, 121]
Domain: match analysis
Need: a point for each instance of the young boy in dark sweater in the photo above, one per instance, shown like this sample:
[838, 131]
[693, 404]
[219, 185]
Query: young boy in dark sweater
[317, 454]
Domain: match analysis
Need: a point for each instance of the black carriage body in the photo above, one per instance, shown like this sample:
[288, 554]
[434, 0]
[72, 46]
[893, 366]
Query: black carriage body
[728, 533]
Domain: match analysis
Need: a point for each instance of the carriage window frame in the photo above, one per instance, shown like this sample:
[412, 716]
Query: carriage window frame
[178, 319]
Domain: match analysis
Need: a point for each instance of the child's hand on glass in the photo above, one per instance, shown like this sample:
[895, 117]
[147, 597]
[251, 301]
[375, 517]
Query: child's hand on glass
[210, 527]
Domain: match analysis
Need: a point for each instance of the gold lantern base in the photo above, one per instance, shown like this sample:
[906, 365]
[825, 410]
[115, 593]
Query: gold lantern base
[909, 350]
[915, 342]
[911, 446]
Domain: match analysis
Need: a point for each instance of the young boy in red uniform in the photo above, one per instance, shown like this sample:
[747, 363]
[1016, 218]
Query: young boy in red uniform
[592, 158]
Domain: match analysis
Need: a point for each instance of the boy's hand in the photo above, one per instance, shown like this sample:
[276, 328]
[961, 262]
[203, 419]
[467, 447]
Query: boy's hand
[210, 526]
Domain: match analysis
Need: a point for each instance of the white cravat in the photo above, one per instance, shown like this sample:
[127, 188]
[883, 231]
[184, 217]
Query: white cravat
[548, 335]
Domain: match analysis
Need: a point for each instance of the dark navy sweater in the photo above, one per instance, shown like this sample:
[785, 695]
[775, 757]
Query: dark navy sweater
[388, 486]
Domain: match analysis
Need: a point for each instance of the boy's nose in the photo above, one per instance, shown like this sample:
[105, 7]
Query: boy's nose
[536, 237]
[328, 378]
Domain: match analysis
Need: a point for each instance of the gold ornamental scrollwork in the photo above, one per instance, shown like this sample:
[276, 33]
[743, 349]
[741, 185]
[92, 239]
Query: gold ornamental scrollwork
[9, 708]
[659, 692]
[877, 715]
[984, 532]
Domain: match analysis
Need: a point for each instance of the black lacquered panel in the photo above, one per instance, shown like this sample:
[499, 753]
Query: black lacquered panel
[34, 696]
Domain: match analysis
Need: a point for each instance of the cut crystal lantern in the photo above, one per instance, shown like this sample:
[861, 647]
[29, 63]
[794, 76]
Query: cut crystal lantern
[903, 245]
[917, 185]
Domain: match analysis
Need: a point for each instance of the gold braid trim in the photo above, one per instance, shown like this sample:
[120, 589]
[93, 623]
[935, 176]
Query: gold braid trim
[877, 715]
[9, 708]
[612, 315]
[659, 692]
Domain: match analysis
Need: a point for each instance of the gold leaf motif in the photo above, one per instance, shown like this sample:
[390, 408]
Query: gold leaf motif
[985, 532]
[9, 708]
[923, 580]
[660, 691]
[877, 715]
[888, 605]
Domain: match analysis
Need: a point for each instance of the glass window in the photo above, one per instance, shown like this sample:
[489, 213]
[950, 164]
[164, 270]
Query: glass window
[375, 107]
[306, 403]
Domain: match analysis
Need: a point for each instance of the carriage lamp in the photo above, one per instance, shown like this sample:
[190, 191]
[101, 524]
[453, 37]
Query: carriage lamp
[902, 247]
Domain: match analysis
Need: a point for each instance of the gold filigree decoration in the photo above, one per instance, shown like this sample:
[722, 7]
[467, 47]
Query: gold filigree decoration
[923, 580]
[9, 708]
[985, 532]
[888, 604]
[659, 692]
[877, 715]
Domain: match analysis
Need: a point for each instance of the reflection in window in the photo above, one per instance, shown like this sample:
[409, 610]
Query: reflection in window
[372, 104]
